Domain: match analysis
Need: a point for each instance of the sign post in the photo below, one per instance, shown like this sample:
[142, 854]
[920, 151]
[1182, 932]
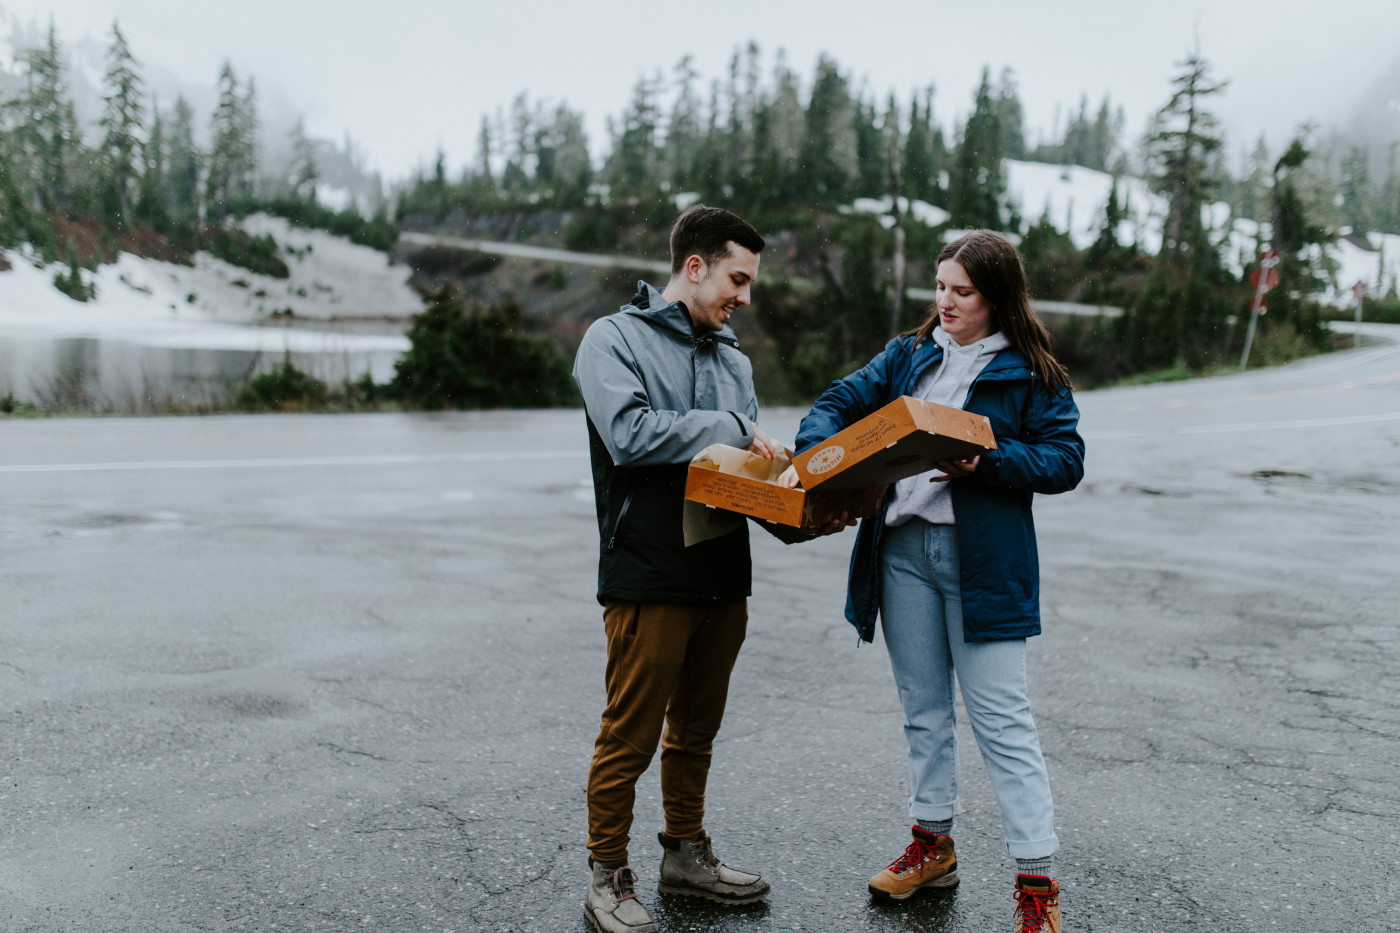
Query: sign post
[1264, 278]
[1359, 290]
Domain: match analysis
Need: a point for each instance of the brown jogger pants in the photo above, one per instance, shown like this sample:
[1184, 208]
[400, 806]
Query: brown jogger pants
[665, 662]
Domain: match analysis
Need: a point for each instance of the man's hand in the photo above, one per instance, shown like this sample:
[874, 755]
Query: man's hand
[953, 469]
[789, 478]
[834, 526]
[763, 444]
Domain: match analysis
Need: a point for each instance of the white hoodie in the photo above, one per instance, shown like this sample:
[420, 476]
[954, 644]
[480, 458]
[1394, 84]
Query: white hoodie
[948, 383]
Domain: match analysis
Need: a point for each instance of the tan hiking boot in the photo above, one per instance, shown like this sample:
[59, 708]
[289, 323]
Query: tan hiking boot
[612, 905]
[928, 862]
[1037, 904]
[690, 867]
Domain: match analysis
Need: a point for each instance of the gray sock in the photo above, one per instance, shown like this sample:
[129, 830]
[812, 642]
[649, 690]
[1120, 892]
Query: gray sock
[1035, 866]
[937, 827]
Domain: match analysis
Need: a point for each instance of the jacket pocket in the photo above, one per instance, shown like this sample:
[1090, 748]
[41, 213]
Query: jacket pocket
[610, 541]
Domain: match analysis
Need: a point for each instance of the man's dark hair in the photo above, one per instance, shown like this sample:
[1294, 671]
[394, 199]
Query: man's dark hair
[706, 232]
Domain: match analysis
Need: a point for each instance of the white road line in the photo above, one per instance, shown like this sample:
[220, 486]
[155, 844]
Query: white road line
[1245, 426]
[284, 462]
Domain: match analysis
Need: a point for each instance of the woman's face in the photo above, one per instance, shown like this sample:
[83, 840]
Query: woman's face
[962, 311]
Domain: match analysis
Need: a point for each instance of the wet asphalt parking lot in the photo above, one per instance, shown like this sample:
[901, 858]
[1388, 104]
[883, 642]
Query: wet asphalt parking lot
[333, 673]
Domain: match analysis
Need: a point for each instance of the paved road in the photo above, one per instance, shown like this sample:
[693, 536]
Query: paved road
[343, 673]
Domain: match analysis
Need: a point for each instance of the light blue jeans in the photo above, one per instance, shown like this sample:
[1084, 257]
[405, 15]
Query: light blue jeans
[921, 614]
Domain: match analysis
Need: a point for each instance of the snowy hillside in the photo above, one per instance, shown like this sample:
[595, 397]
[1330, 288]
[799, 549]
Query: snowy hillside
[212, 303]
[1075, 198]
[191, 332]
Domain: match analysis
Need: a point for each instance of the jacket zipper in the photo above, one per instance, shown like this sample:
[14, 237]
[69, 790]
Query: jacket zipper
[617, 525]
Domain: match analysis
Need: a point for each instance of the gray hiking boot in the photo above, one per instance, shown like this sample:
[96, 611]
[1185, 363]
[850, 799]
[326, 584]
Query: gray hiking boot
[612, 905]
[690, 867]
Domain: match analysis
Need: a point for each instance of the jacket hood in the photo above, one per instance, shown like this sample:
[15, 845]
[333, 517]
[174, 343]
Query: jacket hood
[649, 305]
[1009, 363]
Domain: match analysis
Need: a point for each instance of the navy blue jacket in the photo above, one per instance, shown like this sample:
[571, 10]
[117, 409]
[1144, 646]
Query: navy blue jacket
[1038, 450]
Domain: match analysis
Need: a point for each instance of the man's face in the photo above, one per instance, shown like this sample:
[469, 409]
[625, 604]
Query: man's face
[718, 288]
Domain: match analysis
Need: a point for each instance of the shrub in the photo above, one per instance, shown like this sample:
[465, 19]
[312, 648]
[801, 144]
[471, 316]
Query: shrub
[285, 388]
[254, 253]
[71, 282]
[473, 356]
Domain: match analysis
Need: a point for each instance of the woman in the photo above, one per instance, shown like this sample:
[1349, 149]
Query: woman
[950, 566]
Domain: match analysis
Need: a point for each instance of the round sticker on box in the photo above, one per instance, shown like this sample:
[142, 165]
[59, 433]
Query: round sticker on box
[826, 460]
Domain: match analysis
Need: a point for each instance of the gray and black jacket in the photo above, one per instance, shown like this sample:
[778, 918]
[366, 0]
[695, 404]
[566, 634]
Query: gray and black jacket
[656, 394]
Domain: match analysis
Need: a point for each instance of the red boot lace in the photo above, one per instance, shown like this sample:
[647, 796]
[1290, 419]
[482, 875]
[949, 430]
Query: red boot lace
[913, 857]
[1032, 911]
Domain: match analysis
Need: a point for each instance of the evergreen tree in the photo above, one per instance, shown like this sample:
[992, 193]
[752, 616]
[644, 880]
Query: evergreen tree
[45, 128]
[1356, 191]
[151, 205]
[123, 118]
[515, 177]
[305, 172]
[828, 158]
[227, 147]
[182, 185]
[1182, 147]
[1103, 137]
[920, 171]
[246, 164]
[632, 167]
[1295, 234]
[978, 179]
[1106, 252]
[1011, 116]
[1389, 219]
[1187, 276]
[787, 126]
[1252, 198]
[572, 169]
[683, 129]
[872, 151]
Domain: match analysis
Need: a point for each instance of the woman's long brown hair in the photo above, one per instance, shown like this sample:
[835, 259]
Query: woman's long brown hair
[999, 273]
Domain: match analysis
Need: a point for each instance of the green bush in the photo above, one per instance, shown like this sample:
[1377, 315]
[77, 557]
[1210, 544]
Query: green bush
[71, 282]
[473, 356]
[285, 388]
[377, 232]
[254, 253]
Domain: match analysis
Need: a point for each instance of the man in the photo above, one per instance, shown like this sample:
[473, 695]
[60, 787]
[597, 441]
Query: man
[662, 379]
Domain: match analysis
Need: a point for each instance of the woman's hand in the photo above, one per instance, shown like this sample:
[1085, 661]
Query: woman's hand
[954, 469]
[789, 478]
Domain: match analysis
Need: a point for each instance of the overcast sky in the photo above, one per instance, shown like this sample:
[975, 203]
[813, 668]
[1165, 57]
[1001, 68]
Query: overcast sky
[405, 78]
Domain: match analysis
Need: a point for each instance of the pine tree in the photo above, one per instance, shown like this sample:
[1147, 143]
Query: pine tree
[573, 169]
[978, 179]
[151, 204]
[1295, 233]
[1182, 147]
[632, 167]
[44, 127]
[123, 118]
[872, 157]
[920, 172]
[787, 124]
[828, 148]
[182, 185]
[515, 176]
[226, 151]
[305, 171]
[1187, 276]
[1011, 116]
[1356, 191]
[683, 131]
[246, 164]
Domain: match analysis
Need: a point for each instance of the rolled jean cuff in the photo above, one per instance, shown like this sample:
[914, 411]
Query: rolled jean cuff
[1035, 848]
[934, 812]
